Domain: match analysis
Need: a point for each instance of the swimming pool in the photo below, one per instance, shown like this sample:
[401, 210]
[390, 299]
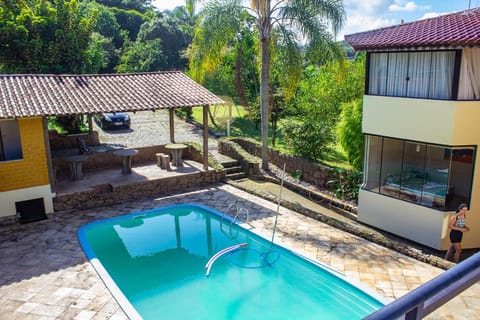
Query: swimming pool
[154, 263]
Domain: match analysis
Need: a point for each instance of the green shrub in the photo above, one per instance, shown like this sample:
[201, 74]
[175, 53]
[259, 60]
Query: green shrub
[346, 184]
[349, 132]
[308, 139]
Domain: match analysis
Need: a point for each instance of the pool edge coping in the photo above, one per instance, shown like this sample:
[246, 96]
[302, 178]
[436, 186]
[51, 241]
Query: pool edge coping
[130, 310]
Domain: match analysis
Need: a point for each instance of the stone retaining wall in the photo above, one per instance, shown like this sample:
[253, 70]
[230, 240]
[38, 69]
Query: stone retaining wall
[109, 194]
[250, 164]
[60, 141]
[312, 173]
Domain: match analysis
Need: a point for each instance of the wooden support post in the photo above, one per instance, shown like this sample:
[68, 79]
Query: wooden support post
[171, 114]
[90, 123]
[205, 137]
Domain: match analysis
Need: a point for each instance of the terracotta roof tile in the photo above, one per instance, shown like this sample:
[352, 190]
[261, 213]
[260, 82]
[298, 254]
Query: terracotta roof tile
[455, 30]
[41, 95]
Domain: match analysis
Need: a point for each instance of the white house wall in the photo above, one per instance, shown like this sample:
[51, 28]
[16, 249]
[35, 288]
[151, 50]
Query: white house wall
[8, 199]
[414, 222]
[412, 119]
[451, 123]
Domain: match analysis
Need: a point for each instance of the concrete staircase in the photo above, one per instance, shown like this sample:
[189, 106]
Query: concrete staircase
[233, 170]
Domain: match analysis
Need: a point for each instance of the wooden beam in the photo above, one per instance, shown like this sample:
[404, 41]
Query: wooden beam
[171, 113]
[205, 137]
[90, 123]
[48, 153]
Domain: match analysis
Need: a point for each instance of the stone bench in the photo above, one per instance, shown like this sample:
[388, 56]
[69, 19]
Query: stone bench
[163, 160]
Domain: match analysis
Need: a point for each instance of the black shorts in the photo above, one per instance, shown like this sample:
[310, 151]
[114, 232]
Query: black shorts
[456, 236]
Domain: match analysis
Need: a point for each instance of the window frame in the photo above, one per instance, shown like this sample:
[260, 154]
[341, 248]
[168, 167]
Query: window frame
[454, 80]
[435, 180]
[11, 129]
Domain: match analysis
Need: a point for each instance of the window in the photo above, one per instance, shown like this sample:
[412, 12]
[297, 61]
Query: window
[10, 144]
[422, 74]
[469, 86]
[435, 176]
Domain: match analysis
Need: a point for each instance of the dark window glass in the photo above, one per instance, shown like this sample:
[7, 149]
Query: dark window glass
[413, 172]
[373, 161]
[460, 177]
[10, 144]
[434, 176]
[390, 177]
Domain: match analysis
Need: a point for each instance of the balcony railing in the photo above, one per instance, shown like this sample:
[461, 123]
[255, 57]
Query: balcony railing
[433, 294]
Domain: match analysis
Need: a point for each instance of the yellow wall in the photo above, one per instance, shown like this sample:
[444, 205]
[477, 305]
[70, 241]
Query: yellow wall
[32, 170]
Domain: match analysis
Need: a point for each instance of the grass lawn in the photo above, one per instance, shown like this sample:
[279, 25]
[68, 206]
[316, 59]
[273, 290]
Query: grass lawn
[242, 126]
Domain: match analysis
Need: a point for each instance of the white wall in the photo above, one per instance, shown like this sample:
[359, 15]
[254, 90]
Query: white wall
[414, 222]
[8, 199]
[412, 119]
[452, 123]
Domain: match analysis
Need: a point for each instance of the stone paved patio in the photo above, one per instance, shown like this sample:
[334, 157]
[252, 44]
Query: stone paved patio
[45, 275]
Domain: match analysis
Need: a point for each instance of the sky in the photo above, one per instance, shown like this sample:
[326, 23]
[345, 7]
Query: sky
[374, 14]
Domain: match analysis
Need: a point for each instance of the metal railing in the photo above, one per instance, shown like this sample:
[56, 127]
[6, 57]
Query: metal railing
[433, 294]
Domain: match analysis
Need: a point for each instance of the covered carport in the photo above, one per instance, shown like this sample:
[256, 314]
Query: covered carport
[37, 95]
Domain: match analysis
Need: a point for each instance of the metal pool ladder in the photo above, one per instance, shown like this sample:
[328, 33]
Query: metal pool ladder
[238, 212]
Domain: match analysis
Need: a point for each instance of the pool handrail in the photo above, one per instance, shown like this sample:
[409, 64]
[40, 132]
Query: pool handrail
[433, 294]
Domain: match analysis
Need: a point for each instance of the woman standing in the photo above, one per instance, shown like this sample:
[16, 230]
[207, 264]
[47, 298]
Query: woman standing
[457, 227]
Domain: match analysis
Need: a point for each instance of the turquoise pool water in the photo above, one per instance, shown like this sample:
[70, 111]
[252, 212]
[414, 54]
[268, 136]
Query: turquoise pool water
[154, 264]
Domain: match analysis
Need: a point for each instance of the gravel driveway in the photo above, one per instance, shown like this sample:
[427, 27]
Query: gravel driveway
[150, 128]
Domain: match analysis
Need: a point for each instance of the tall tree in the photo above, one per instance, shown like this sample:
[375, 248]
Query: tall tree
[44, 36]
[284, 23]
[175, 38]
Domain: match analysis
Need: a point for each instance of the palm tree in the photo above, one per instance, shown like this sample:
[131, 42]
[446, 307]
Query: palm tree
[285, 21]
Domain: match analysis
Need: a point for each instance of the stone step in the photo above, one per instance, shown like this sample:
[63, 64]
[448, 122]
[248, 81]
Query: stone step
[234, 169]
[229, 163]
[236, 176]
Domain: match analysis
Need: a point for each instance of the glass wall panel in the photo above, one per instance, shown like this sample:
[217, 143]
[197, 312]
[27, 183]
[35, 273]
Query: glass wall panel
[397, 74]
[421, 74]
[461, 177]
[378, 73]
[413, 172]
[435, 187]
[390, 177]
[434, 176]
[443, 66]
[373, 161]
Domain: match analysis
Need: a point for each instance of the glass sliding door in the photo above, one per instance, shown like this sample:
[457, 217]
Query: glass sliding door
[434, 176]
[437, 167]
[373, 160]
[390, 177]
[413, 172]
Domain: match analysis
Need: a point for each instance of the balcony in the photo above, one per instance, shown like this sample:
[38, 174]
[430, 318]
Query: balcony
[435, 121]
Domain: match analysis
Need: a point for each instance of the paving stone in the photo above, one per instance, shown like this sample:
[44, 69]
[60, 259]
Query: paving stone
[77, 291]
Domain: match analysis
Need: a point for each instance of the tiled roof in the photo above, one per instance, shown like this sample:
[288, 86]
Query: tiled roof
[455, 30]
[41, 95]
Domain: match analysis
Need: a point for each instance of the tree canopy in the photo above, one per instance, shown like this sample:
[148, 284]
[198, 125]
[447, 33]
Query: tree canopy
[72, 36]
[279, 24]
[44, 36]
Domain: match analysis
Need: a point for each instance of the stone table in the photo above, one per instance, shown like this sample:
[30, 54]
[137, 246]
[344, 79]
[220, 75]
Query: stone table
[176, 150]
[75, 164]
[126, 155]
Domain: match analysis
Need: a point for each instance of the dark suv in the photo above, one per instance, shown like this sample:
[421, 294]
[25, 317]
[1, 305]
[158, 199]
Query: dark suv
[113, 120]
